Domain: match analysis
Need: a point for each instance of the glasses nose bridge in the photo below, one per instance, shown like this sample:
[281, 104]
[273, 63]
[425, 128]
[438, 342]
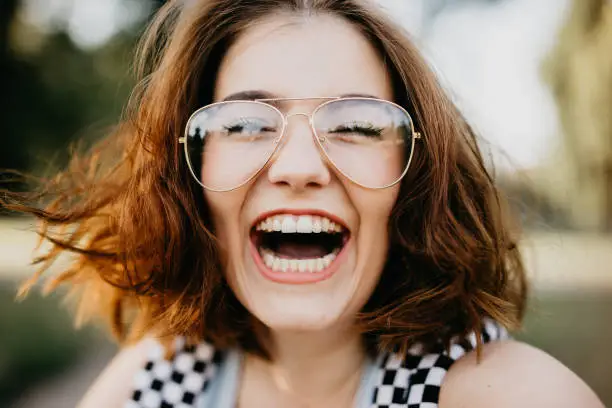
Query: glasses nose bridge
[304, 114]
[308, 117]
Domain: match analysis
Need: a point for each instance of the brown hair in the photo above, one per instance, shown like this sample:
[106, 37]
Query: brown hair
[146, 255]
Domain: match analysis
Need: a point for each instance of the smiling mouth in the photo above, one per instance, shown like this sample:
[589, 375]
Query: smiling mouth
[304, 244]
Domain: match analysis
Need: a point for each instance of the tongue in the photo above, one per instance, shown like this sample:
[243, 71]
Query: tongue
[300, 251]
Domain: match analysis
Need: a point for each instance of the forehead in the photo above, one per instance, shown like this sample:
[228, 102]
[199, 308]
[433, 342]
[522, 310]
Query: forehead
[290, 56]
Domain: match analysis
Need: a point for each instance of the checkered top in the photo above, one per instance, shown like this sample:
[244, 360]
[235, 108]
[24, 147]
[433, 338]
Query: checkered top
[175, 383]
[415, 379]
[404, 381]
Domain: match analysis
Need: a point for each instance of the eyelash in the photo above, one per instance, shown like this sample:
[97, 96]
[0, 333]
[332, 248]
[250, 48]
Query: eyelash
[241, 124]
[368, 129]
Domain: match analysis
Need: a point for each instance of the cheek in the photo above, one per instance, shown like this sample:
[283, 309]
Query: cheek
[225, 221]
[373, 168]
[216, 172]
[225, 216]
[228, 166]
[374, 208]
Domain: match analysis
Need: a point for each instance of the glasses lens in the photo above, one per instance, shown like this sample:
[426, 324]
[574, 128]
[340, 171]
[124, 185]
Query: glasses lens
[370, 141]
[229, 142]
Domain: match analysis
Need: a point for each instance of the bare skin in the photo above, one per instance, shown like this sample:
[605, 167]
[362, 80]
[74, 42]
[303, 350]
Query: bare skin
[511, 375]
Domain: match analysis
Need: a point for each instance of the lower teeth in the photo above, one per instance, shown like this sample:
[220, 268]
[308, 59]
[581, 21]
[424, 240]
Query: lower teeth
[297, 265]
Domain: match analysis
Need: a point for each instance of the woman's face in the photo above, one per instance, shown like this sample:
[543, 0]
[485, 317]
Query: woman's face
[299, 189]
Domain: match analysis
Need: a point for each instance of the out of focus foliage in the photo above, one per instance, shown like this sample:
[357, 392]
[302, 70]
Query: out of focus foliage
[24, 359]
[579, 71]
[52, 92]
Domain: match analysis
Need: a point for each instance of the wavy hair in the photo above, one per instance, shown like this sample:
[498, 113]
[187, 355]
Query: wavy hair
[145, 257]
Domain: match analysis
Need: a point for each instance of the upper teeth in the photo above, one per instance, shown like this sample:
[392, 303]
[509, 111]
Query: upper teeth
[305, 224]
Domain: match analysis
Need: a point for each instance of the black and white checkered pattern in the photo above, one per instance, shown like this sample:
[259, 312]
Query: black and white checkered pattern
[413, 380]
[176, 383]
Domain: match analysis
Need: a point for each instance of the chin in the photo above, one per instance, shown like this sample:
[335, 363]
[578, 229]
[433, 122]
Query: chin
[291, 319]
[305, 307]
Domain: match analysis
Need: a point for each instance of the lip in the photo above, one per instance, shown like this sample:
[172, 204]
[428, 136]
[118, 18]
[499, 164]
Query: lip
[297, 278]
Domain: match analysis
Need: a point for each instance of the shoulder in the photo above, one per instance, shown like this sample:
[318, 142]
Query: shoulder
[513, 374]
[114, 385]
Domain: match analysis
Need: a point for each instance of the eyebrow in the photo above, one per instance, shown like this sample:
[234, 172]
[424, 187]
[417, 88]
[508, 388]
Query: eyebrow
[359, 95]
[260, 94]
[249, 96]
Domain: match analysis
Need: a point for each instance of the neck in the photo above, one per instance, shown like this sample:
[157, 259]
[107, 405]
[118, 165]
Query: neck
[325, 363]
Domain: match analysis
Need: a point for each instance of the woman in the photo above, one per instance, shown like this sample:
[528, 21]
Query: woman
[298, 217]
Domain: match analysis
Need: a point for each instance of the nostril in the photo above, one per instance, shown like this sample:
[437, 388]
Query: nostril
[313, 184]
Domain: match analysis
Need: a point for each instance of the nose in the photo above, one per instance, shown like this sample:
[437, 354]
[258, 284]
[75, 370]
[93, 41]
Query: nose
[299, 164]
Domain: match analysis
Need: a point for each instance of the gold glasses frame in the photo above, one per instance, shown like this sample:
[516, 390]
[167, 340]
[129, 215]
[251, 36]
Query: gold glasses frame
[318, 139]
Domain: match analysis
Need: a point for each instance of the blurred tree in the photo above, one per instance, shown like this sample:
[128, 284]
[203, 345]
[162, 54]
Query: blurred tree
[433, 8]
[10, 156]
[580, 72]
[54, 92]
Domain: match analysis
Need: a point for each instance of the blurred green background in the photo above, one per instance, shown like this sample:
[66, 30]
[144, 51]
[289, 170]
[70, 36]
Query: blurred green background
[533, 76]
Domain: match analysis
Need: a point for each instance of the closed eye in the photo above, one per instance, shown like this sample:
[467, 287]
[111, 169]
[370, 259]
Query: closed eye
[363, 129]
[247, 126]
